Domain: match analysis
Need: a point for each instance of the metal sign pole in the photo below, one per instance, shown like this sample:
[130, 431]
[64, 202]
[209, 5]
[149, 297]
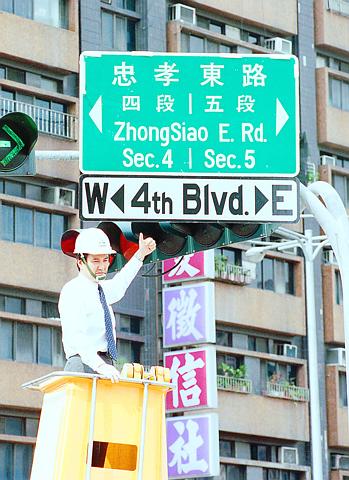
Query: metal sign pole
[92, 428]
[142, 437]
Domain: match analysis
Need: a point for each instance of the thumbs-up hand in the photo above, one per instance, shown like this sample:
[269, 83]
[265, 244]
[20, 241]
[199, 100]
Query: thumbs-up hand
[145, 246]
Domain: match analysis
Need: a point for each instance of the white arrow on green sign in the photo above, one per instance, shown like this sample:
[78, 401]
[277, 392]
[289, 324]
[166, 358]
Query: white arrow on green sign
[189, 114]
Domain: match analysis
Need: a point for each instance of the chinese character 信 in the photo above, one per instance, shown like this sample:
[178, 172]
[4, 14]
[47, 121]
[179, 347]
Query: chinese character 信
[189, 391]
[183, 312]
[131, 102]
[213, 103]
[165, 103]
[253, 76]
[245, 103]
[165, 73]
[123, 75]
[212, 74]
[185, 454]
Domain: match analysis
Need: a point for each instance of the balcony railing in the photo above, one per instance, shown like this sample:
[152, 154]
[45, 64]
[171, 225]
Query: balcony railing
[233, 273]
[289, 392]
[241, 385]
[48, 121]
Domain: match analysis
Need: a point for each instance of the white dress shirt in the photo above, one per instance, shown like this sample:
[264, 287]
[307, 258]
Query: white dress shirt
[82, 314]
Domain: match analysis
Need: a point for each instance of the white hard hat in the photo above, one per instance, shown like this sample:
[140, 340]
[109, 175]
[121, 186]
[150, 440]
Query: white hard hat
[93, 241]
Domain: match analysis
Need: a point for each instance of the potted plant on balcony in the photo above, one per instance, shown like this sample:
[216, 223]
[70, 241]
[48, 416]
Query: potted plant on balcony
[220, 265]
[239, 373]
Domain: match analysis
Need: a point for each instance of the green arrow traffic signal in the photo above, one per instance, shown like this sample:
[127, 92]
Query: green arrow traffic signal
[18, 135]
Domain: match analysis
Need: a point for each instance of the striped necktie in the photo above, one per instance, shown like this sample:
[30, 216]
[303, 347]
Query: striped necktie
[108, 325]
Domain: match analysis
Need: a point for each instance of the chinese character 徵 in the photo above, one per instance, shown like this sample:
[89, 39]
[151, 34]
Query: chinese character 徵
[183, 311]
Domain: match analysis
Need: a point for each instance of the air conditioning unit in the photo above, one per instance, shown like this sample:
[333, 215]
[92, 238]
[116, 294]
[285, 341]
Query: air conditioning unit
[279, 45]
[59, 196]
[340, 462]
[327, 160]
[329, 257]
[287, 350]
[290, 350]
[288, 455]
[336, 356]
[334, 5]
[183, 13]
[232, 32]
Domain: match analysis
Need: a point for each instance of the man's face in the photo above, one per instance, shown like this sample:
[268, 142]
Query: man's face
[98, 264]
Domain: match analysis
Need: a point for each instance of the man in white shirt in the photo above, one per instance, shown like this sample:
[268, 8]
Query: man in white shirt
[88, 322]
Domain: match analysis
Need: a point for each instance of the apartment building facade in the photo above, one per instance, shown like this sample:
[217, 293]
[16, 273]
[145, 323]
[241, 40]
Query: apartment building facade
[39, 67]
[260, 322]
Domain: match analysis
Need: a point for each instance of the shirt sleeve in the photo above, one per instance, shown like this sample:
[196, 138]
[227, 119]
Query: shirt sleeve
[72, 320]
[115, 288]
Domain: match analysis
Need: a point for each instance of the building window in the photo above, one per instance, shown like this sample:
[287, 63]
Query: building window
[118, 32]
[15, 461]
[226, 448]
[339, 289]
[280, 373]
[36, 80]
[339, 93]
[226, 361]
[27, 225]
[26, 342]
[28, 306]
[196, 44]
[273, 474]
[224, 338]
[340, 184]
[17, 425]
[232, 472]
[130, 351]
[343, 399]
[41, 193]
[258, 344]
[263, 453]
[54, 12]
[275, 275]
[131, 324]
[125, 4]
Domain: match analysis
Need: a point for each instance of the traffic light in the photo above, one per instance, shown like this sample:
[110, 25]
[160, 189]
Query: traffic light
[18, 135]
[176, 239]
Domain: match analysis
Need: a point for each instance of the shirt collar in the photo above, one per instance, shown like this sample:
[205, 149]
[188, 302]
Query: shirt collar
[86, 280]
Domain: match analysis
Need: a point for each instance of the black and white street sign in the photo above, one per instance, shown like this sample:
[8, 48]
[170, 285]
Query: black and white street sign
[189, 199]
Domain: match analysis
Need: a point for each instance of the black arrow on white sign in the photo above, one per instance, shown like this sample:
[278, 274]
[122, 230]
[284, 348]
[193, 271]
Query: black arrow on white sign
[119, 198]
[260, 200]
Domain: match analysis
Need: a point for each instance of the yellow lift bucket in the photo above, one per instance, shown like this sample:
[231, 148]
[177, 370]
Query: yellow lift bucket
[93, 429]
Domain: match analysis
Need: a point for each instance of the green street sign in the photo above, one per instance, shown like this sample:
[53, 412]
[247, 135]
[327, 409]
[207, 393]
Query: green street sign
[192, 114]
